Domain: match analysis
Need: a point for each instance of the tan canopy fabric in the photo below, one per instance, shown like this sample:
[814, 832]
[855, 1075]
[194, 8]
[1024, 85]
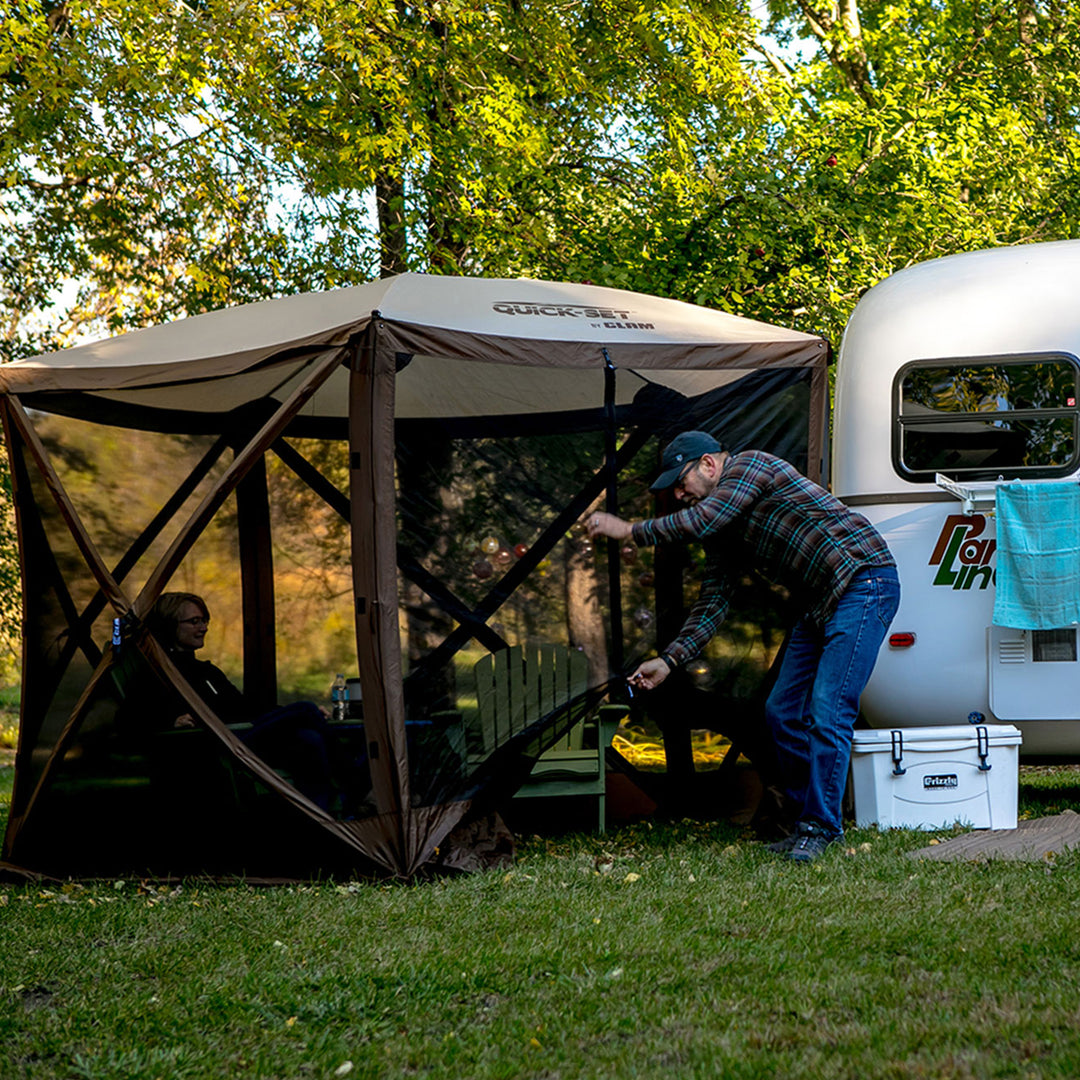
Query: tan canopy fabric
[519, 322]
[369, 365]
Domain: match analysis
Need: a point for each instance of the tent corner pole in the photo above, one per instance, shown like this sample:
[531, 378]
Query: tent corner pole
[612, 506]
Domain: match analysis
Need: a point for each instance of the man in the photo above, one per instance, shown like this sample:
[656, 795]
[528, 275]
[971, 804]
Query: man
[754, 509]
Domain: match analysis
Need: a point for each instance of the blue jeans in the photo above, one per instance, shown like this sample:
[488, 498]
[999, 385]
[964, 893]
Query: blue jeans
[812, 707]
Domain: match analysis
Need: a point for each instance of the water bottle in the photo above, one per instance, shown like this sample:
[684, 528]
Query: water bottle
[339, 695]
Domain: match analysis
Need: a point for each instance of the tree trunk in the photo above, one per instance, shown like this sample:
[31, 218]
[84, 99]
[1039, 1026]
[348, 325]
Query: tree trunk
[840, 33]
[584, 619]
[393, 241]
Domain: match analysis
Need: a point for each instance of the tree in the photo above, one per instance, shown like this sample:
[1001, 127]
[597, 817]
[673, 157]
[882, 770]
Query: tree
[915, 130]
[169, 158]
[119, 172]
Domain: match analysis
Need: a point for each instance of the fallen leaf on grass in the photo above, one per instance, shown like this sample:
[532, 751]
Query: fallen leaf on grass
[632, 877]
[344, 1069]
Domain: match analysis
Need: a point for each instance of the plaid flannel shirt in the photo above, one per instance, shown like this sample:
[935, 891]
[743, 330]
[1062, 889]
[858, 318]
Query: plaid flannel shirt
[765, 513]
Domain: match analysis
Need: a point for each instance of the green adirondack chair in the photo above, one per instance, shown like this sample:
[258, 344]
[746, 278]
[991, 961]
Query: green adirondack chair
[516, 687]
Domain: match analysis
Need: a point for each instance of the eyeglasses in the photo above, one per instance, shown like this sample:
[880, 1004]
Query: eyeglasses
[686, 472]
[195, 620]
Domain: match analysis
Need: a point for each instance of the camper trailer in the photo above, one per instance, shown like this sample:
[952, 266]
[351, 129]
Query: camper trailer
[953, 376]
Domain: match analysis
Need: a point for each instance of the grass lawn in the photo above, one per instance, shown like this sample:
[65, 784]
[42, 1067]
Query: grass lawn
[681, 950]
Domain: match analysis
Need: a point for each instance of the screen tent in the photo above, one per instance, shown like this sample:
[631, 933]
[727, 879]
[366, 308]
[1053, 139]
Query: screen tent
[384, 481]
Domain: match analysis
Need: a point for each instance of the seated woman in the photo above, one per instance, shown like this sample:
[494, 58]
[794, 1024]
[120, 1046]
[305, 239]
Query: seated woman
[292, 737]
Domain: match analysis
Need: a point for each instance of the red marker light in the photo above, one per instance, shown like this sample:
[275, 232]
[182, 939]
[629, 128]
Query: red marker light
[901, 641]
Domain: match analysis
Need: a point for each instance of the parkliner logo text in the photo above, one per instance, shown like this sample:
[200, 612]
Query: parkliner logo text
[963, 555]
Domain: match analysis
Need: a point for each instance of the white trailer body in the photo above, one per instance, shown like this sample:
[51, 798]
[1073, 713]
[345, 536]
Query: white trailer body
[965, 366]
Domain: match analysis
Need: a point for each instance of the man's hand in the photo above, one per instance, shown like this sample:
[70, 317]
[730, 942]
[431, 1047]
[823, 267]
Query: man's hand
[187, 720]
[650, 674]
[601, 524]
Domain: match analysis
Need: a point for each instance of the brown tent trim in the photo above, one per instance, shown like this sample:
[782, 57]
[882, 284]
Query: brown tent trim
[80, 623]
[100, 378]
[160, 660]
[501, 591]
[27, 521]
[819, 417]
[413, 571]
[94, 562]
[249, 458]
[240, 466]
[663, 353]
[257, 587]
[374, 532]
[142, 543]
[68, 732]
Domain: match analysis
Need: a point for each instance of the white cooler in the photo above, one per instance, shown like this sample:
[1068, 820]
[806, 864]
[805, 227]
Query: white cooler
[936, 777]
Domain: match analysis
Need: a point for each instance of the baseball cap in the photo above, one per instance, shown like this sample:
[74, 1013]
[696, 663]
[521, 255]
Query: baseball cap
[684, 448]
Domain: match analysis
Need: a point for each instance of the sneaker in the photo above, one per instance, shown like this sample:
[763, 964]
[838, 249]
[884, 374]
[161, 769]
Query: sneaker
[783, 845]
[808, 846]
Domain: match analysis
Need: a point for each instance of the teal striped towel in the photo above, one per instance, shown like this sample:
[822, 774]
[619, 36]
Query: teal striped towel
[1038, 555]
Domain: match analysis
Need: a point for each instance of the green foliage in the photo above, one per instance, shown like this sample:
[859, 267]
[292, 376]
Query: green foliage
[962, 136]
[173, 158]
[118, 171]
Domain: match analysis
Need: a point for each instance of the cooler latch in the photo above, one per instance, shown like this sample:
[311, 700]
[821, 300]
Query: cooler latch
[982, 742]
[897, 752]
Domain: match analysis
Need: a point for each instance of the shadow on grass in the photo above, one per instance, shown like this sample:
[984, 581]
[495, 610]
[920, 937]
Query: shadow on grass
[1049, 789]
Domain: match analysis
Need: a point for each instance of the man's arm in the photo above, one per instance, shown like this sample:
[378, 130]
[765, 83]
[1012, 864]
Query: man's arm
[702, 622]
[604, 524]
[703, 619]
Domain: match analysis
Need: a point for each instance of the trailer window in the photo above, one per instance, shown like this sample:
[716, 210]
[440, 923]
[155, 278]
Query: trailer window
[983, 418]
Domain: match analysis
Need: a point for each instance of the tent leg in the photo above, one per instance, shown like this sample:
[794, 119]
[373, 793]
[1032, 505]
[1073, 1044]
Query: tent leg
[257, 588]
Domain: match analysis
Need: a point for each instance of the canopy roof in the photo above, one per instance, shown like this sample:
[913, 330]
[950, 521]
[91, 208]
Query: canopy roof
[439, 328]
